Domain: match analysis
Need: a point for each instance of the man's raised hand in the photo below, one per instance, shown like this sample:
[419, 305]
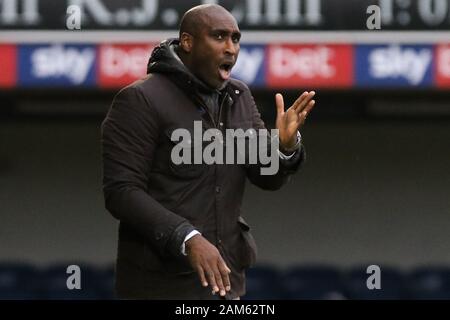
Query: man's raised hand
[291, 120]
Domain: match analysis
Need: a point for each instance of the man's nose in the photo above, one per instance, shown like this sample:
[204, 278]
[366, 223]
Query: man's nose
[231, 48]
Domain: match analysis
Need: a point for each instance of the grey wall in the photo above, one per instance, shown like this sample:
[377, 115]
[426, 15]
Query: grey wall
[373, 192]
[369, 192]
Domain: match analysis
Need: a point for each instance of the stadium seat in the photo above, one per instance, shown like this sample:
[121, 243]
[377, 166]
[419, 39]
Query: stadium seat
[263, 283]
[391, 280]
[318, 282]
[431, 282]
[18, 281]
[105, 282]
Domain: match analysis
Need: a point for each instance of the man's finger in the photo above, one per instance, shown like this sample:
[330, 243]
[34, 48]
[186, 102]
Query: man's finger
[201, 274]
[212, 279]
[280, 103]
[305, 102]
[299, 100]
[219, 281]
[305, 112]
[225, 271]
[309, 107]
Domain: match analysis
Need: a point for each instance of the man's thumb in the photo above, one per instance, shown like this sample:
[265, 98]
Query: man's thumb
[279, 102]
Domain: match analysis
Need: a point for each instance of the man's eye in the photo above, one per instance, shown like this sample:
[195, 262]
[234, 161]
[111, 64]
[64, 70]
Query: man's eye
[219, 37]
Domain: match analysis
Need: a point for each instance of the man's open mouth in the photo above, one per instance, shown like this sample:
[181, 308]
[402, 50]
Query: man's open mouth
[225, 71]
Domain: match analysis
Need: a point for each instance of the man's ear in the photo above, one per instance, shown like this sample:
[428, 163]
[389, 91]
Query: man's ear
[186, 42]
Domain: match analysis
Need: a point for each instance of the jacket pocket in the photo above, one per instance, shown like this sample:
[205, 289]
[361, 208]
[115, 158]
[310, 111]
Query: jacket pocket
[186, 169]
[249, 249]
[137, 254]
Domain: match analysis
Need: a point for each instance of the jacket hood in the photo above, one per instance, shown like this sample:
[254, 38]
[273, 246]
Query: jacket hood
[165, 60]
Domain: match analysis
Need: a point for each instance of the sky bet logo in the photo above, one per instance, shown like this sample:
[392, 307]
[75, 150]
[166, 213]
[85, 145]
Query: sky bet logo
[57, 65]
[293, 66]
[394, 65]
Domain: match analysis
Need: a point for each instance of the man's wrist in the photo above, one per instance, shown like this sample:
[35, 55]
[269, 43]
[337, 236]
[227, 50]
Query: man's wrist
[188, 237]
[290, 152]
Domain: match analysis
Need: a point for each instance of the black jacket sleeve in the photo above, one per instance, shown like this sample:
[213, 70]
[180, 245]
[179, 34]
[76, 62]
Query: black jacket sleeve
[129, 137]
[286, 167]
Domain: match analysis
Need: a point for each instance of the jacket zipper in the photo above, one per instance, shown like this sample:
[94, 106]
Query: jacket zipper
[220, 111]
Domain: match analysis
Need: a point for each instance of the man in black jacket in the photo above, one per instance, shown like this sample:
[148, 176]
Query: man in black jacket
[181, 222]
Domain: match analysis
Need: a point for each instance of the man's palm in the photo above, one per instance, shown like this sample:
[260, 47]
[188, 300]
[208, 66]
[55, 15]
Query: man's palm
[288, 122]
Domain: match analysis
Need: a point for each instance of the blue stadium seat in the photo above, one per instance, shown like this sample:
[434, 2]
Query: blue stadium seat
[54, 284]
[263, 283]
[391, 280]
[105, 283]
[313, 282]
[431, 282]
[18, 281]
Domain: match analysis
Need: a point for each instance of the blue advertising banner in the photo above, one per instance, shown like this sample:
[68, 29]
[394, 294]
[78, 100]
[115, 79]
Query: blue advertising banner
[57, 65]
[394, 65]
[250, 67]
[387, 66]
